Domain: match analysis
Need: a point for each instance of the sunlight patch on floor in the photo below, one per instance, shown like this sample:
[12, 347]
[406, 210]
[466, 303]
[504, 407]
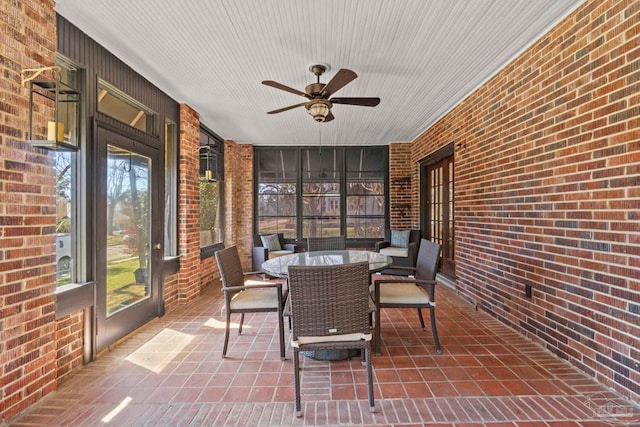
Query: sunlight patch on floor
[218, 324]
[107, 418]
[155, 354]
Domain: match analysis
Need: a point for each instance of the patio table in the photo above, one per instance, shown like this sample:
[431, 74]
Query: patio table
[279, 267]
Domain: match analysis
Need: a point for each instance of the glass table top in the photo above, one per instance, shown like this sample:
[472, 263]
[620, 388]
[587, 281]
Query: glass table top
[279, 266]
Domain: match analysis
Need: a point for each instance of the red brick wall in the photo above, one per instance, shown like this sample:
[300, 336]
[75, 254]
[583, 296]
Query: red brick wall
[34, 347]
[170, 292]
[27, 216]
[548, 192]
[189, 206]
[194, 273]
[239, 199]
[403, 197]
[69, 340]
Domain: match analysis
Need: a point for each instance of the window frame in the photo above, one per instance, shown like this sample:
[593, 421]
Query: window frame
[151, 118]
[278, 180]
[311, 174]
[170, 214]
[76, 208]
[382, 177]
[300, 238]
[217, 146]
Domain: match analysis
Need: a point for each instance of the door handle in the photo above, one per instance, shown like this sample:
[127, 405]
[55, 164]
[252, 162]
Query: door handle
[157, 246]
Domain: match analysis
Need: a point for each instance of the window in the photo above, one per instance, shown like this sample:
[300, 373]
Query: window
[309, 192]
[365, 193]
[211, 190]
[116, 104]
[321, 176]
[170, 190]
[277, 191]
[65, 173]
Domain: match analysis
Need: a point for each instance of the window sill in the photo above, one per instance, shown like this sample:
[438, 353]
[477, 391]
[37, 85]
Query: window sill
[171, 265]
[74, 297]
[210, 251]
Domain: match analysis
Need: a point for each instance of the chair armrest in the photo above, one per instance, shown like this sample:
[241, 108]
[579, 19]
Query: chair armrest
[401, 267]
[253, 273]
[290, 247]
[427, 285]
[287, 308]
[401, 279]
[413, 251]
[380, 245]
[372, 305]
[266, 285]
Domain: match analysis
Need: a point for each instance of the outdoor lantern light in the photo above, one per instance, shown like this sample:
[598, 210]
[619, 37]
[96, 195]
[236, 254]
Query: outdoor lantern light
[206, 155]
[57, 104]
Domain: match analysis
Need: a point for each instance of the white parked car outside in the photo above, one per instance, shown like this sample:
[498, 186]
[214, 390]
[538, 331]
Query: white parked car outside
[63, 253]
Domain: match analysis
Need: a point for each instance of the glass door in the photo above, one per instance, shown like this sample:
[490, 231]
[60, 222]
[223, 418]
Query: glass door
[128, 248]
[437, 192]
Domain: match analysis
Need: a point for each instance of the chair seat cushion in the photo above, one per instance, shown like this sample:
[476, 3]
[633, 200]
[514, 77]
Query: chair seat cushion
[255, 298]
[256, 282]
[402, 293]
[393, 251]
[331, 338]
[276, 254]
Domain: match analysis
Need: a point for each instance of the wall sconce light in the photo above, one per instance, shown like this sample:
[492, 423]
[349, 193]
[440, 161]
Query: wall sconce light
[402, 208]
[402, 181]
[59, 103]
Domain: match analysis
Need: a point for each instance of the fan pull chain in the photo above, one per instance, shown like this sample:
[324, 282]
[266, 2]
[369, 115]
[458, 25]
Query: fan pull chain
[320, 138]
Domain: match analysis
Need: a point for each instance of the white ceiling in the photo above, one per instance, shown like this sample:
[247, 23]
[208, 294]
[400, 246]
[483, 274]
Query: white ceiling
[421, 57]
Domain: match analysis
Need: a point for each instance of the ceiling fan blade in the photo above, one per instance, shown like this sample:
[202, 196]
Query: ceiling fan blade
[290, 107]
[283, 87]
[365, 102]
[340, 80]
[329, 117]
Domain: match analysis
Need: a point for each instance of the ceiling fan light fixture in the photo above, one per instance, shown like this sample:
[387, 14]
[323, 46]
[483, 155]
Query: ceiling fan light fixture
[318, 109]
[319, 95]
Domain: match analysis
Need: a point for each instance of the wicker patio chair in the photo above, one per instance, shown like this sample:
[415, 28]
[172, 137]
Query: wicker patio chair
[326, 243]
[275, 247]
[417, 292]
[402, 246]
[247, 296]
[329, 311]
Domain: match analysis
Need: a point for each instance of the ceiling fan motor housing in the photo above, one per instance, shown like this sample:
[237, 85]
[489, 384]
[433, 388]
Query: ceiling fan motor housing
[314, 89]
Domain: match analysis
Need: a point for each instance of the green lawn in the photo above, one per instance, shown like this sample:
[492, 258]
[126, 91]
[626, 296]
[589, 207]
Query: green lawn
[122, 289]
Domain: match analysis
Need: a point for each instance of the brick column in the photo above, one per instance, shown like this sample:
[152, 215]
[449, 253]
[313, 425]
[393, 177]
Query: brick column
[239, 199]
[189, 206]
[401, 166]
[27, 216]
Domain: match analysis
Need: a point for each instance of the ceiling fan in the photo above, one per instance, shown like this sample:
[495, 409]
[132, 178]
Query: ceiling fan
[320, 103]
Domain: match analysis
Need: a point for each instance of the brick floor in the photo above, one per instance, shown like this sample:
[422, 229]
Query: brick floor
[170, 372]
